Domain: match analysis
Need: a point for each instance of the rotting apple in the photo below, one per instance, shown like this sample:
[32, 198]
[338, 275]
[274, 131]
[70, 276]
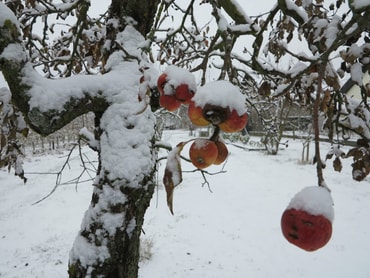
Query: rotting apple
[203, 152]
[307, 231]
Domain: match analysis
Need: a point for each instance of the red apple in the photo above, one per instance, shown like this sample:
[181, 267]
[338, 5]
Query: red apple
[307, 231]
[203, 153]
[223, 152]
[161, 82]
[169, 102]
[195, 114]
[183, 93]
[234, 122]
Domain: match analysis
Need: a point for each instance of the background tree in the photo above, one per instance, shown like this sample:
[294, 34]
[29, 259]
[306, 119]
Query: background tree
[96, 64]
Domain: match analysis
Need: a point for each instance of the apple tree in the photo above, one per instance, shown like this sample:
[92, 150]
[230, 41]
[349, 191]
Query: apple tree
[60, 63]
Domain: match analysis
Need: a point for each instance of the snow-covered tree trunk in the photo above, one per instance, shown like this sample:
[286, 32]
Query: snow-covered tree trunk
[108, 242]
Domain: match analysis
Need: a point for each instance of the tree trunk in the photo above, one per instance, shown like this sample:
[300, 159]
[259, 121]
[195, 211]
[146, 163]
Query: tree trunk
[109, 240]
[108, 244]
[119, 258]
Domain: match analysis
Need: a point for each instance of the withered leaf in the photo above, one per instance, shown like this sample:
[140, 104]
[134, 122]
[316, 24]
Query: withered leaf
[329, 155]
[337, 164]
[356, 153]
[172, 173]
[359, 171]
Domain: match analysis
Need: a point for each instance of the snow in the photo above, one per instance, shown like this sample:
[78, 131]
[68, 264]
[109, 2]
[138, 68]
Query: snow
[14, 52]
[177, 76]
[292, 6]
[232, 232]
[241, 11]
[360, 4]
[356, 73]
[7, 14]
[314, 200]
[221, 93]
[125, 150]
[222, 22]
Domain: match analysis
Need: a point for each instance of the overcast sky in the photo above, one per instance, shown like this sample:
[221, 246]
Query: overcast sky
[251, 7]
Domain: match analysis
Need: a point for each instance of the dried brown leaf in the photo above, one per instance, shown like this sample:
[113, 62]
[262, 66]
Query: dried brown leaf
[172, 173]
[337, 164]
[329, 155]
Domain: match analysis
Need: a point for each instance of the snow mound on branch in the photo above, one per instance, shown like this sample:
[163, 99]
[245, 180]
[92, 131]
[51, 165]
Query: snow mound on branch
[221, 93]
[314, 200]
[7, 14]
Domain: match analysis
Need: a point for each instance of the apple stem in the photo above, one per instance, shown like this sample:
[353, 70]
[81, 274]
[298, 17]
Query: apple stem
[215, 134]
[319, 165]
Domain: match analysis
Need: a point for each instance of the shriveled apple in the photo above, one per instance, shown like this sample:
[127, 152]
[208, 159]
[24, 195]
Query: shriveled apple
[307, 231]
[307, 221]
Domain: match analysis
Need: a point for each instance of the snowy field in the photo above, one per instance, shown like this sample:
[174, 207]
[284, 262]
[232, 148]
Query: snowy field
[230, 229]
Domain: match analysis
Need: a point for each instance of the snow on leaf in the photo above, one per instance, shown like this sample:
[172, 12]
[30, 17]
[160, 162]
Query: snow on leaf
[172, 173]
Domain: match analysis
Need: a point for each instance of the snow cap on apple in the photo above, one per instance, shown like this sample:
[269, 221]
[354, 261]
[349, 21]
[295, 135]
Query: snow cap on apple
[307, 221]
[220, 103]
[221, 93]
[315, 200]
[176, 77]
[176, 86]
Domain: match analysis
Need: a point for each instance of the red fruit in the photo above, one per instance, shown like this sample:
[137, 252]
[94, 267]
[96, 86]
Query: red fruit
[223, 152]
[169, 102]
[161, 82]
[234, 122]
[195, 114]
[307, 231]
[183, 93]
[203, 153]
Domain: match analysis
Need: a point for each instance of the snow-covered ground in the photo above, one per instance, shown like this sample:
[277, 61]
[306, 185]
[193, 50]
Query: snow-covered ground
[229, 229]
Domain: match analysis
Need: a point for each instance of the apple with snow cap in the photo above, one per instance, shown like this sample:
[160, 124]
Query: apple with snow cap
[219, 103]
[176, 86]
[307, 221]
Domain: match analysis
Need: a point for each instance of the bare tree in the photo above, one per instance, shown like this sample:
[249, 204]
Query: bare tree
[105, 65]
